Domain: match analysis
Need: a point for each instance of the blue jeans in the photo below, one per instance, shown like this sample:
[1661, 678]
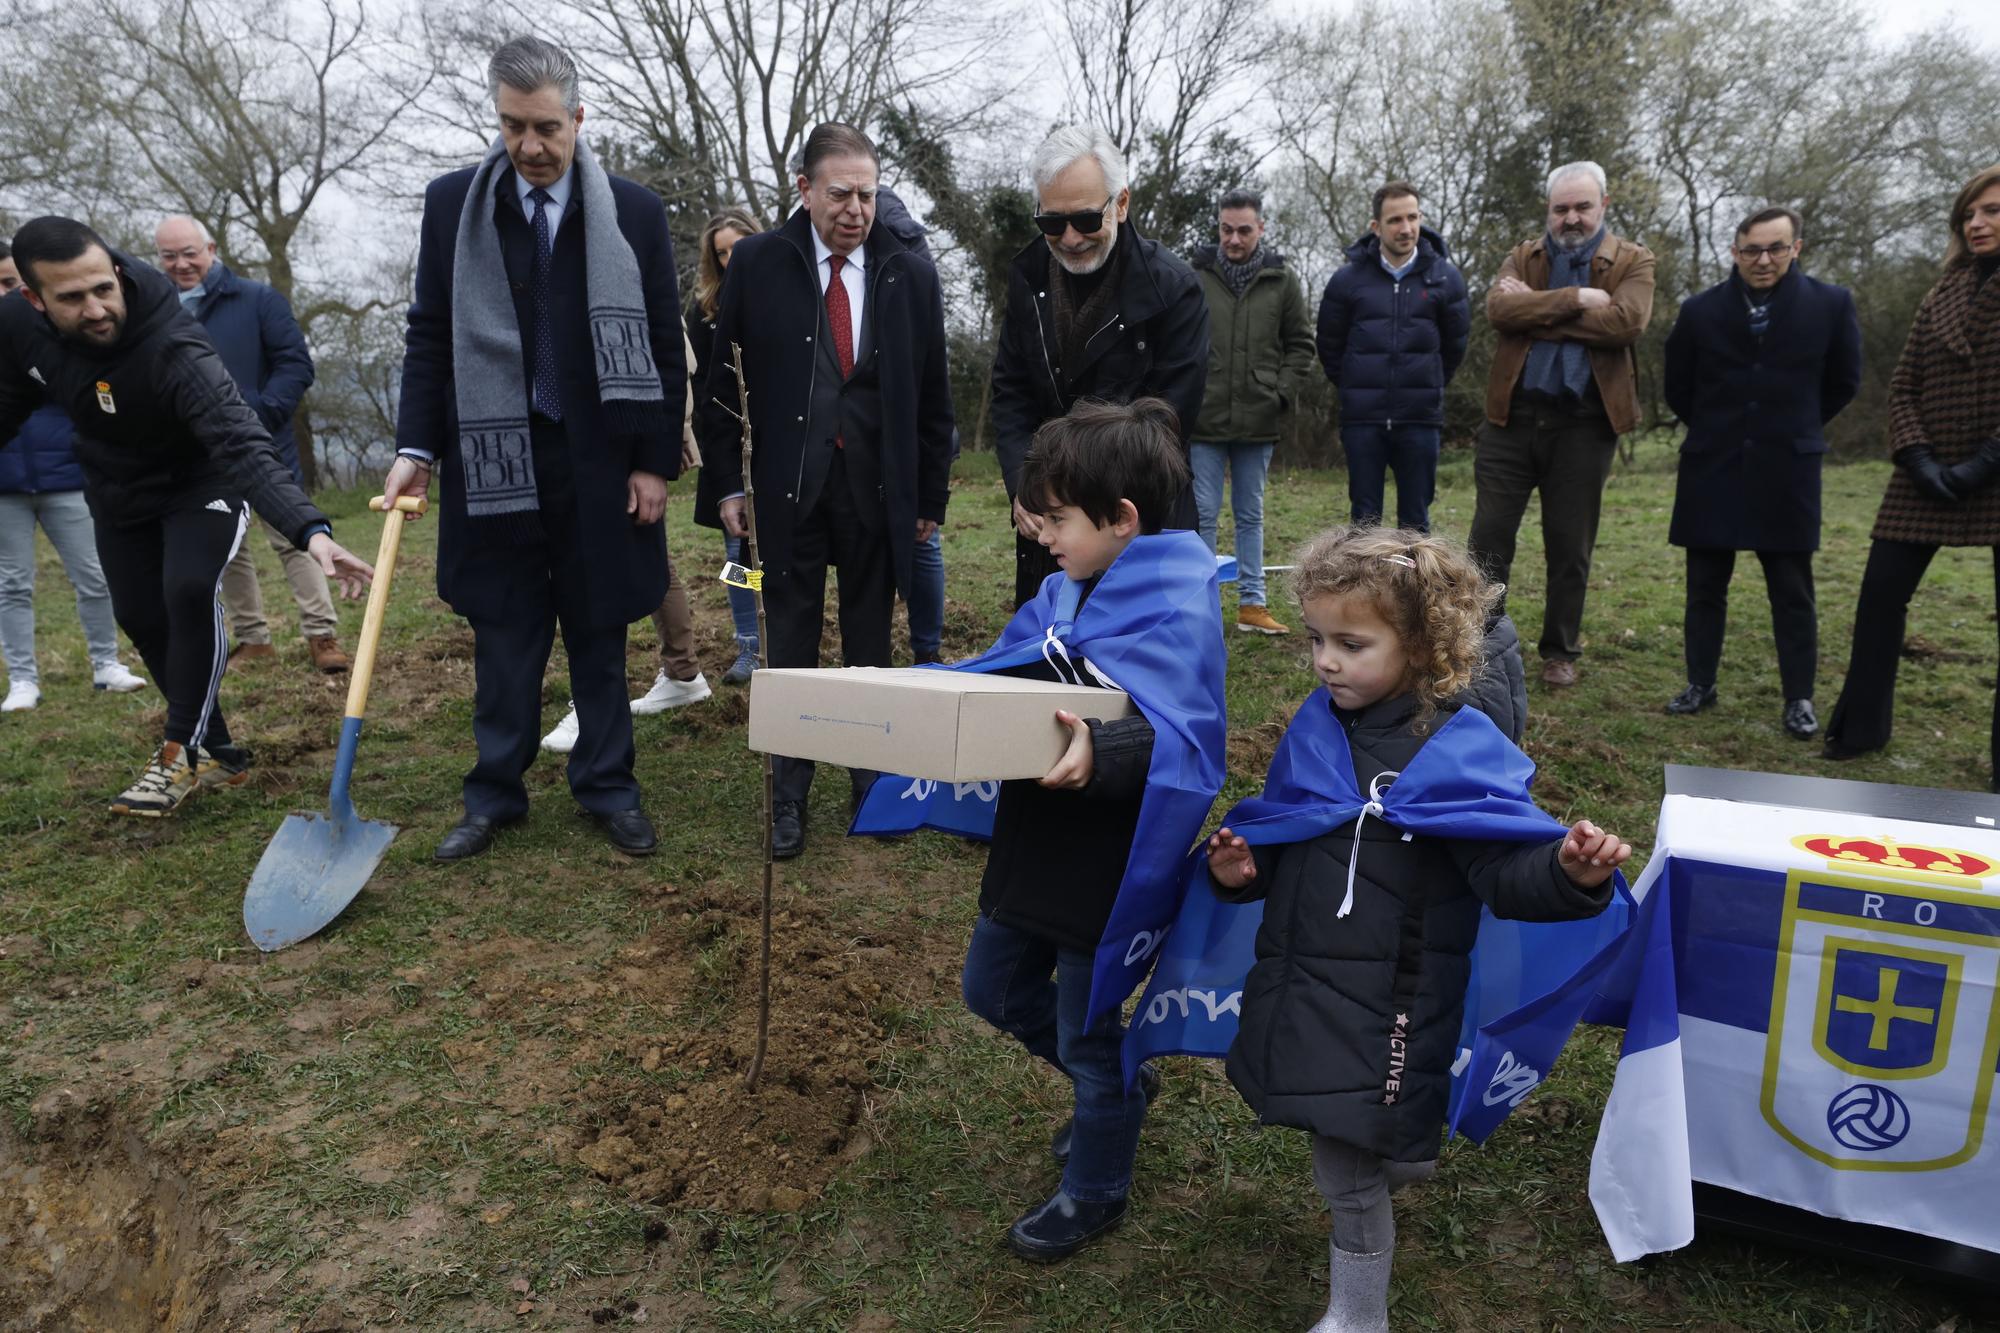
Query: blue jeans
[1247, 465]
[1373, 450]
[65, 517]
[926, 605]
[742, 602]
[1037, 992]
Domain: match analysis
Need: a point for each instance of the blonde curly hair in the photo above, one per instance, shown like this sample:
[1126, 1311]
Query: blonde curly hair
[1427, 588]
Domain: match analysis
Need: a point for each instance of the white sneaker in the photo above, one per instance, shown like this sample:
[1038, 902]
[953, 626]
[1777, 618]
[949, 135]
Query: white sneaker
[114, 677]
[667, 694]
[21, 696]
[563, 739]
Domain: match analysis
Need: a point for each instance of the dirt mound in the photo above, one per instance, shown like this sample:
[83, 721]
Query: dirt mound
[679, 1128]
[96, 1232]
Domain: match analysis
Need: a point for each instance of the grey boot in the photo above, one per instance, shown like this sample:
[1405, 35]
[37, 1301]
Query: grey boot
[1360, 1299]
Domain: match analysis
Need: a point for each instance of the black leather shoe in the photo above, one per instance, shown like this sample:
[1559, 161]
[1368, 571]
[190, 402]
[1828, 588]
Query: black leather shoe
[1692, 700]
[1061, 1226]
[928, 658]
[472, 835]
[1800, 719]
[788, 830]
[1149, 1084]
[629, 830]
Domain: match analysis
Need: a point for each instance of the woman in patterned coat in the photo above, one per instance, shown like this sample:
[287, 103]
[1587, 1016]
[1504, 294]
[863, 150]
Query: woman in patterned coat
[1944, 432]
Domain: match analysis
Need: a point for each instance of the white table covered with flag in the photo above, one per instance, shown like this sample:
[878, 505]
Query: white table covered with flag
[1814, 1013]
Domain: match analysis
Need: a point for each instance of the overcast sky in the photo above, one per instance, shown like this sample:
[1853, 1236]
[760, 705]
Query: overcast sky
[1981, 18]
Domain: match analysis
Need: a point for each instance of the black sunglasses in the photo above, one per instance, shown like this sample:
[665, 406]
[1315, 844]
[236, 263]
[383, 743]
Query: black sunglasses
[1088, 221]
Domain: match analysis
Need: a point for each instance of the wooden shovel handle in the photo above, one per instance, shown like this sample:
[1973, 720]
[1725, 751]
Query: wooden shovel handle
[378, 599]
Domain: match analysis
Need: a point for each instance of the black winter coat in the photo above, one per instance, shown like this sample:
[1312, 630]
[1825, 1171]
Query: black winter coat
[1391, 345]
[1350, 1026]
[771, 304]
[159, 422]
[478, 571]
[1755, 409]
[1155, 347]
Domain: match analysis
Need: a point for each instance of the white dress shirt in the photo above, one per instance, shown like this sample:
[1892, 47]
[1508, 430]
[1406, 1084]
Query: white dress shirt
[850, 277]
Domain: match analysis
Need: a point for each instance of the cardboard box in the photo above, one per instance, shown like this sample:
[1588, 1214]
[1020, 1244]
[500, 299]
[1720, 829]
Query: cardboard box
[952, 726]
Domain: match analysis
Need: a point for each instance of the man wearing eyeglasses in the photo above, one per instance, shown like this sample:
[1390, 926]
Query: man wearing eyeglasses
[1755, 368]
[253, 330]
[842, 330]
[1094, 310]
[1568, 306]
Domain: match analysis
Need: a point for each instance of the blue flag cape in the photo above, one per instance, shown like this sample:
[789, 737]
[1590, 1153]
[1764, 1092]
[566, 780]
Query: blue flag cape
[1153, 628]
[1468, 781]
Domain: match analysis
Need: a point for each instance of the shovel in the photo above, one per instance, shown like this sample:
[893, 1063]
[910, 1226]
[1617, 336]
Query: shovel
[317, 863]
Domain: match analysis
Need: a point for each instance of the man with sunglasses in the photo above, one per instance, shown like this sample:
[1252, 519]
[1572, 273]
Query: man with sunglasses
[1094, 310]
[1755, 368]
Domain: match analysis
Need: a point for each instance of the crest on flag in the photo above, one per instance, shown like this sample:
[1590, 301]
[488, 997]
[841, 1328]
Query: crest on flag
[1885, 1021]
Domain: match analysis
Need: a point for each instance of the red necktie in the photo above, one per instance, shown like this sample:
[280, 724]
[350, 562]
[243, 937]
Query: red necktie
[838, 316]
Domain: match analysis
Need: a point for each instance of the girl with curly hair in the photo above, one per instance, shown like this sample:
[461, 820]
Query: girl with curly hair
[1351, 1012]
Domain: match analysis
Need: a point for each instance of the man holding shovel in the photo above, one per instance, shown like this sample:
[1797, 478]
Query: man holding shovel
[543, 376]
[173, 463]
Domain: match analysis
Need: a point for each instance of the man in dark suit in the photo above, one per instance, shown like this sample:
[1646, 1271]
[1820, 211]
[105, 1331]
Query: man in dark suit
[1099, 311]
[1756, 366]
[842, 331]
[544, 378]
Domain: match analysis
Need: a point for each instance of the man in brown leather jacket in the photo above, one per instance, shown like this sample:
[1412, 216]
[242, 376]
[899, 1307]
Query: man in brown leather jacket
[1568, 306]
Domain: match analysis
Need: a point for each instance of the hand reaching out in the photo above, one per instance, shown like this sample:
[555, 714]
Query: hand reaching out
[1589, 855]
[1230, 863]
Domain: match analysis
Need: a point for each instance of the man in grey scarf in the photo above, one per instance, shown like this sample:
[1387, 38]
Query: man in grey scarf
[1568, 306]
[544, 378]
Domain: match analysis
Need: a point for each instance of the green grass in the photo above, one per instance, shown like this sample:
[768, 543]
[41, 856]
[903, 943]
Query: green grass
[383, 1121]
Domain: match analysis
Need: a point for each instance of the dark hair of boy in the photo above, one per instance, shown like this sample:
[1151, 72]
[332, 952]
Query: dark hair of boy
[1394, 190]
[52, 240]
[1101, 453]
[1772, 214]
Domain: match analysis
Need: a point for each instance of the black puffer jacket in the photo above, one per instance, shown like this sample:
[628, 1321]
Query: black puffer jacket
[1501, 689]
[1350, 1025]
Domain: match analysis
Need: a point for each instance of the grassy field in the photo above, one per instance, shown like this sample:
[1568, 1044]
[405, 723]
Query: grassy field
[506, 1093]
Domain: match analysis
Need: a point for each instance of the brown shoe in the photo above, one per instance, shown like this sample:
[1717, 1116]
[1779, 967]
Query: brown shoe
[327, 656]
[1256, 620]
[247, 654]
[1559, 673]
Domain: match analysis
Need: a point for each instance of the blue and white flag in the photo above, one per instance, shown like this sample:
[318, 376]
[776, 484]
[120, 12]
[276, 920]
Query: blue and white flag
[1531, 980]
[1152, 627]
[1812, 1004]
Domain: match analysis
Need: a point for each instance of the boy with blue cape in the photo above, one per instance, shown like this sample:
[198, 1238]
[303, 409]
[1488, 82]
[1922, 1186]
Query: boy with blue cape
[1085, 868]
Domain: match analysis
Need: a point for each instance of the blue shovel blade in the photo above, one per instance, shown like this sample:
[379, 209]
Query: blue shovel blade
[312, 870]
[315, 863]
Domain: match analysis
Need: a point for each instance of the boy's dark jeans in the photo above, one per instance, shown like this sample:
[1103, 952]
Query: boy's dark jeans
[1411, 452]
[1037, 992]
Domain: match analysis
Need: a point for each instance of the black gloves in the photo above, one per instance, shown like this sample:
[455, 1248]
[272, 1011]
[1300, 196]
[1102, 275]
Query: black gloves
[1932, 479]
[1976, 473]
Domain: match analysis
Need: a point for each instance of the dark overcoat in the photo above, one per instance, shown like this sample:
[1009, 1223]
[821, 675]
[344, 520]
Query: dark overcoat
[255, 334]
[480, 565]
[1756, 411]
[771, 304]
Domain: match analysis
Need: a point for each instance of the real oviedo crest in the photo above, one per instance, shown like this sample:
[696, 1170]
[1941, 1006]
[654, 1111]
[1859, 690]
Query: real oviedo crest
[1885, 1009]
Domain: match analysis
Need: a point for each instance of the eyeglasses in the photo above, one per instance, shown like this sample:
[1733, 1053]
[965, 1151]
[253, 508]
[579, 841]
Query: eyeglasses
[1088, 221]
[1750, 254]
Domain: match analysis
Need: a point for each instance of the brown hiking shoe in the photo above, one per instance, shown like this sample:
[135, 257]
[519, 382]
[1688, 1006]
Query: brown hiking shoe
[1257, 620]
[327, 656]
[1559, 673]
[249, 654]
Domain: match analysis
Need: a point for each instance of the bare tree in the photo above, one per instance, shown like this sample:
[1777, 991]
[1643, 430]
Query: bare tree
[244, 115]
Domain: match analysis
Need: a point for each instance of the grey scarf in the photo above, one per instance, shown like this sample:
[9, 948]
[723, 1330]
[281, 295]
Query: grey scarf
[487, 364]
[1561, 369]
[1238, 276]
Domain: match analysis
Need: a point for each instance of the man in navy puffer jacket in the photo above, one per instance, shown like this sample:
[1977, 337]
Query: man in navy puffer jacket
[1392, 331]
[40, 482]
